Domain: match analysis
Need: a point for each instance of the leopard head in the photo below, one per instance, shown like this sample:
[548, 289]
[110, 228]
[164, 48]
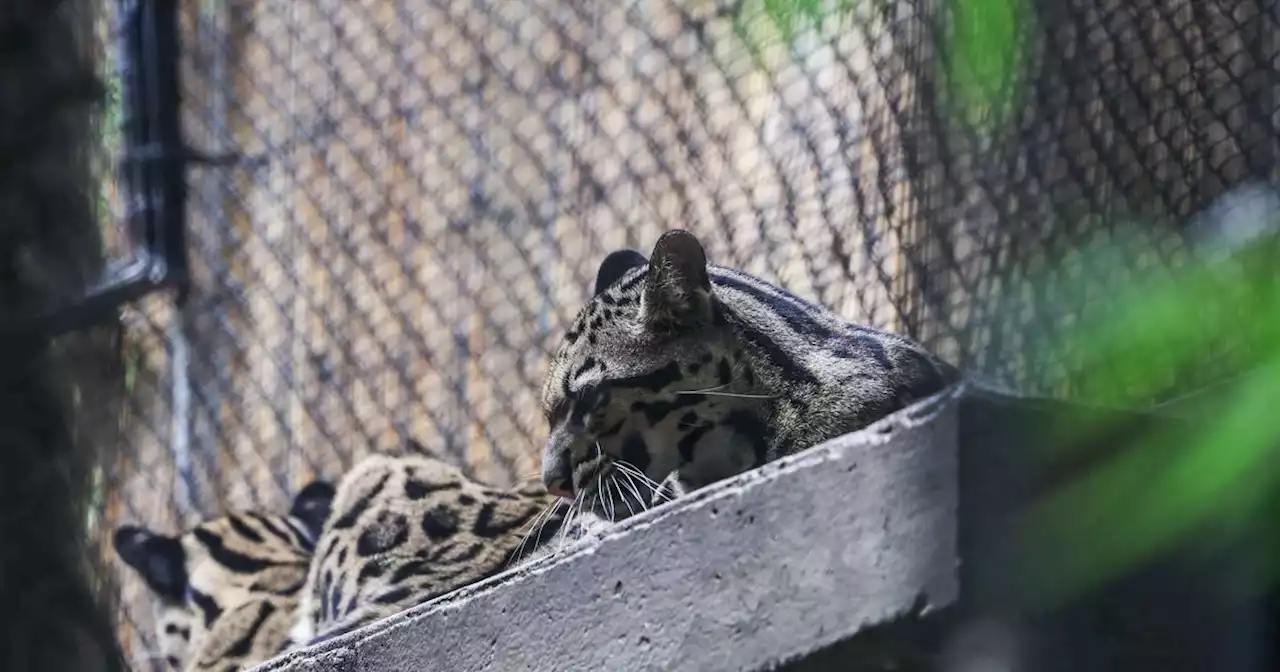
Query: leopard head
[629, 392]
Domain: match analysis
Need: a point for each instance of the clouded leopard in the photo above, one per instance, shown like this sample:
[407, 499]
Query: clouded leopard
[409, 528]
[239, 589]
[228, 589]
[680, 367]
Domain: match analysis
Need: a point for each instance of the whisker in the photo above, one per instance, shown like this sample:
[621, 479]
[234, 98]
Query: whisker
[568, 521]
[632, 476]
[630, 482]
[623, 496]
[608, 502]
[740, 395]
[715, 392]
[538, 524]
[648, 482]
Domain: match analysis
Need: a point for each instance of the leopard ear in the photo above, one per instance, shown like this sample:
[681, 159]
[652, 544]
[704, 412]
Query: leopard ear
[158, 558]
[312, 505]
[615, 266]
[677, 291]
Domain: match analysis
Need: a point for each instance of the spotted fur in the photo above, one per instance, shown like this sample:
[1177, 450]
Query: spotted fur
[409, 528]
[228, 589]
[678, 368]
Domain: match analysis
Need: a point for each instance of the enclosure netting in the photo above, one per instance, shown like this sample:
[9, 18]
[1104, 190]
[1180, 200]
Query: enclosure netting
[425, 188]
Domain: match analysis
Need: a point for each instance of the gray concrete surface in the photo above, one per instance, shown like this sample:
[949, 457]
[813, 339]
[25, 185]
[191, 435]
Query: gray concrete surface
[748, 574]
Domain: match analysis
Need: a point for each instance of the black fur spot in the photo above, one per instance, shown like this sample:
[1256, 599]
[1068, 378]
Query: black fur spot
[342, 556]
[861, 347]
[724, 372]
[275, 531]
[330, 547]
[440, 522]
[718, 316]
[242, 646]
[487, 529]
[654, 381]
[335, 600]
[472, 552]
[371, 570]
[389, 531]
[635, 451]
[348, 519]
[687, 420]
[350, 606]
[657, 411]
[588, 364]
[173, 662]
[777, 356]
[232, 560]
[466, 500]
[435, 555]
[612, 430]
[326, 582]
[690, 441]
[207, 606]
[244, 530]
[753, 429]
[415, 489]
[392, 596]
[414, 568]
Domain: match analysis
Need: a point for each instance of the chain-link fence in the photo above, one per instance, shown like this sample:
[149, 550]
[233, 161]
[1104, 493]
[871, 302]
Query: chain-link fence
[424, 189]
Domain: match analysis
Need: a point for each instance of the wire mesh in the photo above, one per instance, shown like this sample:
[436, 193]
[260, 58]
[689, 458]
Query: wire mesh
[425, 187]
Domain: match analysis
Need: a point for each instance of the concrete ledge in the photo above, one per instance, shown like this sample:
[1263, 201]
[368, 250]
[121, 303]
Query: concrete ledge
[750, 573]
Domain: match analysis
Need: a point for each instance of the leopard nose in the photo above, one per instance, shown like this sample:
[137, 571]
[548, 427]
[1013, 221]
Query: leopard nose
[561, 489]
[557, 475]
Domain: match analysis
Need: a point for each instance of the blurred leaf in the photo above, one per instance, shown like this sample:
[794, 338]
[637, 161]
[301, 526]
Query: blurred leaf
[1173, 484]
[983, 56]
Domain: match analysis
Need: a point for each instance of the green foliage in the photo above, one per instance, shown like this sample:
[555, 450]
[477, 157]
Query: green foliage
[982, 56]
[762, 24]
[982, 45]
[1178, 486]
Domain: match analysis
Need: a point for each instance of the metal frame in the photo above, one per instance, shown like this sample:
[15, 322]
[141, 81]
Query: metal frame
[154, 176]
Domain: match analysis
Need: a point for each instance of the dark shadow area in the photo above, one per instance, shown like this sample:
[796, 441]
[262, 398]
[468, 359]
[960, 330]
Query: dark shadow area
[56, 398]
[1178, 612]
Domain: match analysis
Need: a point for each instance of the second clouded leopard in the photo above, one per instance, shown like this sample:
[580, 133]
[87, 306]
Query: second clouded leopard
[228, 589]
[679, 367]
[408, 528]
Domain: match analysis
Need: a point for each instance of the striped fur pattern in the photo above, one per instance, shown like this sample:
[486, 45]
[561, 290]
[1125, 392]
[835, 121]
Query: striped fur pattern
[408, 528]
[679, 368]
[228, 589]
